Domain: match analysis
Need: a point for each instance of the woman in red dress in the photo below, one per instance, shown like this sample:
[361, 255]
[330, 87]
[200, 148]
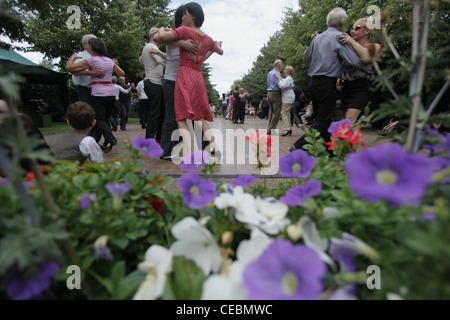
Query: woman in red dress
[191, 97]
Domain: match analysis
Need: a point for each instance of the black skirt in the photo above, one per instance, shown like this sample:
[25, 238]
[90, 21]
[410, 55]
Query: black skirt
[356, 94]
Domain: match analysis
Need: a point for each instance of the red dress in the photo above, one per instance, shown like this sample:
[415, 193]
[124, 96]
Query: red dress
[191, 97]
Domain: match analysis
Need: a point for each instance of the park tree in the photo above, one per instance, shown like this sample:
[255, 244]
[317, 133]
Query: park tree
[119, 23]
[213, 95]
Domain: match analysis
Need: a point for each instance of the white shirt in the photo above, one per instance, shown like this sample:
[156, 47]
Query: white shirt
[119, 89]
[80, 80]
[173, 63]
[90, 149]
[141, 91]
[287, 95]
[153, 64]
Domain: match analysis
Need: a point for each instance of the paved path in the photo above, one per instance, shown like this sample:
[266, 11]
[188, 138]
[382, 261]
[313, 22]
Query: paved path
[236, 159]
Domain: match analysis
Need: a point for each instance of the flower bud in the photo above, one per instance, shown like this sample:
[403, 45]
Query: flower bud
[294, 232]
[227, 237]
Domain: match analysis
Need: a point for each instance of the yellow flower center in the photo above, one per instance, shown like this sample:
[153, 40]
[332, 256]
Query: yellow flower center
[296, 167]
[387, 177]
[194, 190]
[289, 283]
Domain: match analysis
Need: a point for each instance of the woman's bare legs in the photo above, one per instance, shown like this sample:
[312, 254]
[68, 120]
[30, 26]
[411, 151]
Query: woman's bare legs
[206, 129]
[186, 135]
[352, 114]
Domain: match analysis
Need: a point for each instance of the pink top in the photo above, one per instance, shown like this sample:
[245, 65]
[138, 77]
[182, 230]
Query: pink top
[104, 87]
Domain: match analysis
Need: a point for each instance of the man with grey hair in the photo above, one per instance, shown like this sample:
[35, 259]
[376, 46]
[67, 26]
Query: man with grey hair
[274, 96]
[82, 79]
[325, 56]
[153, 63]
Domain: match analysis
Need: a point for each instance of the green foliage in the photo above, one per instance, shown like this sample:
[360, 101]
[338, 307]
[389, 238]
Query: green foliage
[123, 25]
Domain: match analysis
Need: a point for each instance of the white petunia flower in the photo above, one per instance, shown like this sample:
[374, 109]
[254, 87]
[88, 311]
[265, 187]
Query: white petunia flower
[230, 287]
[157, 264]
[197, 244]
[220, 287]
[313, 240]
[250, 250]
[244, 203]
[273, 215]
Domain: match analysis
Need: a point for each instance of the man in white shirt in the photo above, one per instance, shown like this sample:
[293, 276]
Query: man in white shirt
[143, 103]
[153, 64]
[83, 79]
[118, 106]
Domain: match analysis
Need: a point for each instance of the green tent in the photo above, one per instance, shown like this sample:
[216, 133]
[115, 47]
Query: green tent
[11, 61]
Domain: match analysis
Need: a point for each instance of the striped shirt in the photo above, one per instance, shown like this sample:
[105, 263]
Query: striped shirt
[107, 65]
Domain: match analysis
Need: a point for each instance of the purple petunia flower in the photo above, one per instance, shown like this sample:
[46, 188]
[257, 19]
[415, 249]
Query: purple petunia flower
[85, 201]
[244, 181]
[388, 172]
[194, 161]
[117, 189]
[150, 147]
[285, 271]
[335, 125]
[19, 286]
[297, 164]
[345, 249]
[197, 193]
[102, 251]
[4, 182]
[298, 195]
[28, 184]
[441, 163]
[429, 217]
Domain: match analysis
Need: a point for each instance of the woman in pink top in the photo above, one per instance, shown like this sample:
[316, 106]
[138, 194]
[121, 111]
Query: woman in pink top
[103, 91]
[191, 97]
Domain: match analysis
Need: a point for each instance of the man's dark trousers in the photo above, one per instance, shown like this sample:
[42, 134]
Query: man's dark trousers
[322, 90]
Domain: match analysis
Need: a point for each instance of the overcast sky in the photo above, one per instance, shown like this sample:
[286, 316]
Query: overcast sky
[244, 26]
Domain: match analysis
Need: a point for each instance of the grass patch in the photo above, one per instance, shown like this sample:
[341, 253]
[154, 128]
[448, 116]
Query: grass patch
[61, 127]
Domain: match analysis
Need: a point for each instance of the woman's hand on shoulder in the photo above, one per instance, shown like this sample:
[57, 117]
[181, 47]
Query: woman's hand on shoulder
[346, 38]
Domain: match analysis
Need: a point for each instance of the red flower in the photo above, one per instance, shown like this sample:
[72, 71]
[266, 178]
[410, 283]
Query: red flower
[157, 205]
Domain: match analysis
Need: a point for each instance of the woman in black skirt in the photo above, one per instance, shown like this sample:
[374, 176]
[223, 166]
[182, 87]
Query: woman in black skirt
[357, 87]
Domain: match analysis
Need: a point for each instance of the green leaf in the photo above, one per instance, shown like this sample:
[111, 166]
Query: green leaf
[87, 218]
[122, 243]
[186, 281]
[128, 285]
[118, 272]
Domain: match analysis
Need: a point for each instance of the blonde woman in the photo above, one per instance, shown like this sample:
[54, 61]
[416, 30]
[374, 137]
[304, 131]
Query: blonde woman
[287, 98]
[358, 86]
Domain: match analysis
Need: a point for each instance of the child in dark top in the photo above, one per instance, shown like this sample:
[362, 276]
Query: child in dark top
[76, 145]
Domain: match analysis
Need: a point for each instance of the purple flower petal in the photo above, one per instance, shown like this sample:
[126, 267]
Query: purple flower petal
[388, 172]
[194, 161]
[298, 195]
[335, 125]
[244, 181]
[118, 190]
[297, 164]
[197, 193]
[429, 217]
[150, 147]
[285, 272]
[20, 287]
